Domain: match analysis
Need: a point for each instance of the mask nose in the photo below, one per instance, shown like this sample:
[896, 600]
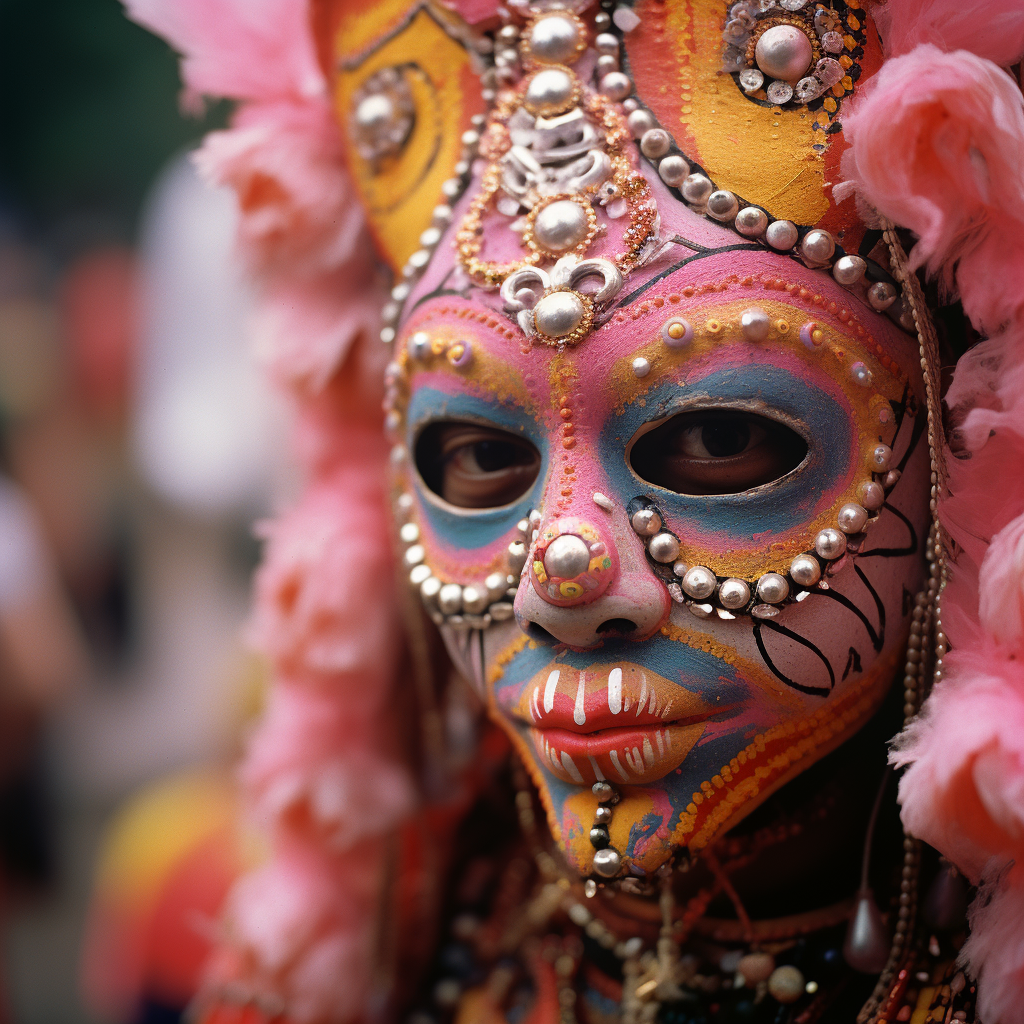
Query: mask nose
[582, 588]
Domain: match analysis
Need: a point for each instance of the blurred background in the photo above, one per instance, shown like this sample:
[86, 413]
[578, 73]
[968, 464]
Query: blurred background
[137, 448]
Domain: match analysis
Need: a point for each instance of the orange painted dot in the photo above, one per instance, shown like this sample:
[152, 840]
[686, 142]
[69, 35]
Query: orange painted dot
[659, 302]
[673, 298]
[676, 330]
[713, 327]
[844, 315]
[688, 291]
[567, 429]
[568, 442]
[566, 414]
[782, 326]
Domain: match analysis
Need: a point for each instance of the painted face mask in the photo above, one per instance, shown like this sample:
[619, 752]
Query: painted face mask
[658, 457]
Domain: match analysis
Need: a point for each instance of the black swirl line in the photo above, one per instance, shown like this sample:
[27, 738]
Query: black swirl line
[814, 691]
[876, 640]
[893, 552]
[879, 605]
[920, 422]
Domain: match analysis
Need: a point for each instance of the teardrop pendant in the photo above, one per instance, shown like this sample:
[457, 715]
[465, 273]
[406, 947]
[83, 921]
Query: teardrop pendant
[866, 947]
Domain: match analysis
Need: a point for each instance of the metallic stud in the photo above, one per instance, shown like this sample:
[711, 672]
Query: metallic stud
[663, 547]
[781, 234]
[830, 543]
[607, 862]
[755, 324]
[848, 270]
[699, 582]
[516, 557]
[603, 815]
[805, 570]
[673, 170]
[852, 518]
[881, 295]
[449, 599]
[818, 246]
[751, 222]
[646, 522]
[772, 588]
[734, 593]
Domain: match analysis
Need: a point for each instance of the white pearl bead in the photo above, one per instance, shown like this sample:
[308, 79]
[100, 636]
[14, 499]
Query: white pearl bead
[751, 221]
[818, 246]
[733, 594]
[830, 544]
[784, 52]
[646, 522]
[616, 86]
[639, 121]
[560, 226]
[697, 188]
[655, 143]
[755, 324]
[699, 582]
[871, 495]
[673, 170]
[881, 295]
[848, 270]
[663, 547]
[606, 43]
[558, 314]
[772, 588]
[781, 234]
[641, 366]
[555, 40]
[567, 556]
[548, 92]
[722, 205]
[805, 570]
[881, 456]
[852, 518]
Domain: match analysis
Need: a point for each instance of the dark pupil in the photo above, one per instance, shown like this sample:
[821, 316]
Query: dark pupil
[492, 456]
[726, 437]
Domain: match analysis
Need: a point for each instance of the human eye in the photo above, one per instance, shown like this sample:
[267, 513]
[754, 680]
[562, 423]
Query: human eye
[474, 466]
[716, 451]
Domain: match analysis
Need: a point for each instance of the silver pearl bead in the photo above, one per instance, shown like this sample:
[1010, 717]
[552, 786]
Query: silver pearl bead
[722, 205]
[673, 170]
[606, 64]
[558, 314]
[655, 143]
[852, 518]
[830, 543]
[881, 456]
[616, 86]
[549, 91]
[449, 599]
[751, 221]
[607, 862]
[516, 557]
[560, 226]
[429, 590]
[641, 366]
[640, 121]
[475, 600]
[646, 522]
[679, 568]
[755, 324]
[566, 557]
[818, 246]
[419, 574]
[409, 533]
[555, 40]
[663, 547]
[603, 815]
[871, 495]
[848, 270]
[784, 52]
[602, 21]
[414, 555]
[805, 570]
[697, 188]
[496, 584]
[881, 295]
[733, 593]
[772, 588]
[781, 234]
[699, 582]
[607, 43]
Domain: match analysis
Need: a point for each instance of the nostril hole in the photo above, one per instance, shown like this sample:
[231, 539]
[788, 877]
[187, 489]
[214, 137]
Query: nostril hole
[537, 632]
[621, 627]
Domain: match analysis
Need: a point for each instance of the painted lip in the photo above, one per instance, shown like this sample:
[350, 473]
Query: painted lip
[619, 722]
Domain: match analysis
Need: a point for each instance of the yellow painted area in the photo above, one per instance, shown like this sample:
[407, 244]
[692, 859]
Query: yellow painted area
[400, 192]
[764, 154]
[154, 832]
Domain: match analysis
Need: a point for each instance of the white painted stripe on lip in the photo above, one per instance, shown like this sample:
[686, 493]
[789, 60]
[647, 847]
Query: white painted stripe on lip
[648, 752]
[553, 754]
[579, 714]
[652, 708]
[643, 696]
[570, 766]
[634, 761]
[614, 755]
[661, 743]
[615, 691]
[549, 690]
[596, 767]
[534, 706]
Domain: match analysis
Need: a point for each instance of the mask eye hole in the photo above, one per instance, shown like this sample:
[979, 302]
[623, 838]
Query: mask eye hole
[716, 451]
[474, 466]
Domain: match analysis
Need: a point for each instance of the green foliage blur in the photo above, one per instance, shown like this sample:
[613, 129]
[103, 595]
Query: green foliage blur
[88, 112]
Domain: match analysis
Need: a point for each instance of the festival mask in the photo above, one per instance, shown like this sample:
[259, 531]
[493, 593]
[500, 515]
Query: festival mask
[660, 466]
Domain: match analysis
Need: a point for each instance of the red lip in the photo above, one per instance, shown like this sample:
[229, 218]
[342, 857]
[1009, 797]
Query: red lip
[620, 722]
